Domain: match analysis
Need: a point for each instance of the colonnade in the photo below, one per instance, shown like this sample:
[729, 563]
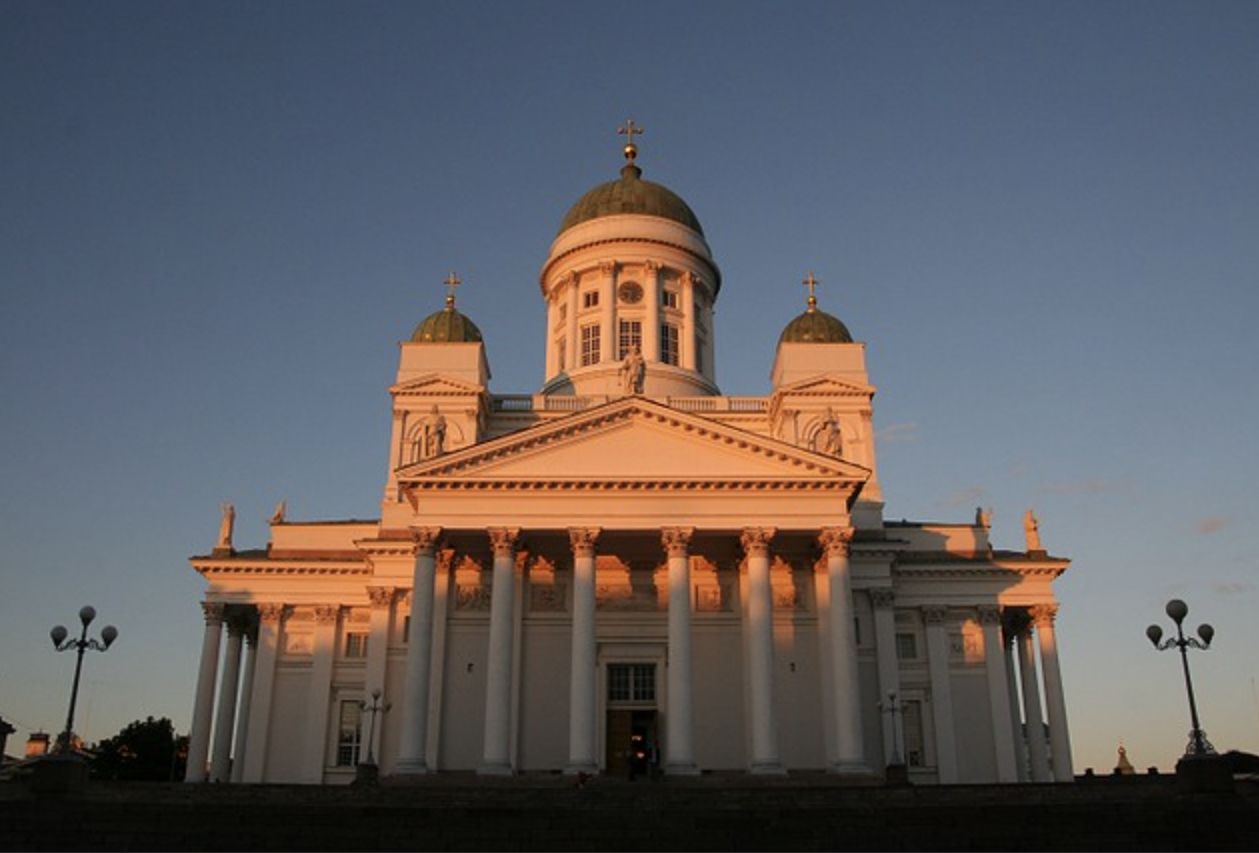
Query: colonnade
[240, 726]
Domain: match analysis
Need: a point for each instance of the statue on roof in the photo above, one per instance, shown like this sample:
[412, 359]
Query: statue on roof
[277, 517]
[225, 527]
[983, 517]
[633, 371]
[1031, 528]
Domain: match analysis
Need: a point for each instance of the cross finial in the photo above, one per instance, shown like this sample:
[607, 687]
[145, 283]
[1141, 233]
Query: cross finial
[811, 281]
[451, 281]
[630, 130]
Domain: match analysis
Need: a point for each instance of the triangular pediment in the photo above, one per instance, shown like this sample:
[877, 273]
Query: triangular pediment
[632, 441]
[825, 386]
[435, 385]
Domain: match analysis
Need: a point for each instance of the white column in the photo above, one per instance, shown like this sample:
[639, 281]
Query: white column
[413, 749]
[1055, 699]
[381, 598]
[884, 601]
[653, 287]
[221, 756]
[1016, 702]
[203, 706]
[581, 713]
[680, 713]
[320, 692]
[998, 695]
[941, 693]
[686, 329]
[496, 760]
[759, 625]
[246, 700]
[850, 754]
[1038, 756]
[607, 311]
[270, 636]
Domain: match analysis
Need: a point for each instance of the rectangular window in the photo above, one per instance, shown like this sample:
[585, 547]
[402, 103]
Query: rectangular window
[632, 682]
[669, 343]
[563, 311]
[590, 345]
[561, 353]
[349, 731]
[906, 647]
[590, 299]
[699, 356]
[915, 741]
[631, 336]
[669, 299]
[356, 645]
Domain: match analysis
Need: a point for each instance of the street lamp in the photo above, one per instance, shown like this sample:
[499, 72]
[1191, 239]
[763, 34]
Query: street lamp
[373, 709]
[1198, 744]
[60, 642]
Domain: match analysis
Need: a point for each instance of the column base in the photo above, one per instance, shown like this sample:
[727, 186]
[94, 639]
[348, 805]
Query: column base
[495, 770]
[849, 769]
[768, 769]
[411, 767]
[681, 769]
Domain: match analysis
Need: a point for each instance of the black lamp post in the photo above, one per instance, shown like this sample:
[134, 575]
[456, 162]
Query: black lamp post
[373, 709]
[60, 642]
[897, 773]
[1178, 610]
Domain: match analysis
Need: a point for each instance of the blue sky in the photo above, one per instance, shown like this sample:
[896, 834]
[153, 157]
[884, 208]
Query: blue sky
[218, 219]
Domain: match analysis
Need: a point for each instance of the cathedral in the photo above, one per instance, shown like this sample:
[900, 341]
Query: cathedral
[627, 571]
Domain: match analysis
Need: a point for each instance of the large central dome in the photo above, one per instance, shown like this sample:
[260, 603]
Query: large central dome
[630, 195]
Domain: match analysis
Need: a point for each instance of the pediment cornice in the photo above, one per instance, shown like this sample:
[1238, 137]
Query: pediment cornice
[436, 385]
[778, 465]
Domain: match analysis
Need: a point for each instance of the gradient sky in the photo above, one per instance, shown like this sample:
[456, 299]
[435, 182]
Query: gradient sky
[218, 219]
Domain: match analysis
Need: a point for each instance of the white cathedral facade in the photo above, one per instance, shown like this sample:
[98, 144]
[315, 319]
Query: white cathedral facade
[628, 571]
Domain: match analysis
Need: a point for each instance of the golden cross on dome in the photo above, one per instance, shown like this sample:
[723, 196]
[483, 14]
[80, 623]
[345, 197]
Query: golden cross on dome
[452, 281]
[630, 130]
[811, 281]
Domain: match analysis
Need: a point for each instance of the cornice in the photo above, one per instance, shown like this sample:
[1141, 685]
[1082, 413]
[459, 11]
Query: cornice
[280, 567]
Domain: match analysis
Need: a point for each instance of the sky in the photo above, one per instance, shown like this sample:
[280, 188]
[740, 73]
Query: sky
[217, 220]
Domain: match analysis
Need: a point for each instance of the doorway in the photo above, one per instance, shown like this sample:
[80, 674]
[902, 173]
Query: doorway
[632, 743]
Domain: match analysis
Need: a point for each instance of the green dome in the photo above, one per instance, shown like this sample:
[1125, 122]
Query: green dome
[631, 195]
[815, 327]
[447, 326]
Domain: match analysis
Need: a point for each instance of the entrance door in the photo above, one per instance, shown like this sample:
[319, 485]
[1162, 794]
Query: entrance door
[632, 743]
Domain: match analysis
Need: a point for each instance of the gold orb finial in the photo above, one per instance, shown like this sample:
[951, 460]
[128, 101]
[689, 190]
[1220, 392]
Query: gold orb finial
[630, 130]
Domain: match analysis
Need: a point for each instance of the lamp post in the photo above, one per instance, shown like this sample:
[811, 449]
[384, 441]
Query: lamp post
[60, 642]
[366, 773]
[1198, 744]
[897, 772]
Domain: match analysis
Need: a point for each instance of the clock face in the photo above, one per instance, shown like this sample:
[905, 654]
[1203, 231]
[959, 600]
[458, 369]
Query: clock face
[630, 292]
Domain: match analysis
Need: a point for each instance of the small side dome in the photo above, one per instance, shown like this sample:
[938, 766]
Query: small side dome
[447, 326]
[815, 326]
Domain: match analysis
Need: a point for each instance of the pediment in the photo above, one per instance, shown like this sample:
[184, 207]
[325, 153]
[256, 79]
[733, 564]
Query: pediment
[633, 442]
[825, 386]
[435, 385]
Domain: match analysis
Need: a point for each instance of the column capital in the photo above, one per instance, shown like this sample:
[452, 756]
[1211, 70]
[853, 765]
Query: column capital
[676, 540]
[882, 597]
[271, 613]
[583, 540]
[755, 540]
[425, 539]
[381, 596]
[933, 614]
[989, 615]
[1043, 614]
[608, 267]
[651, 265]
[836, 540]
[325, 613]
[213, 611]
[503, 540]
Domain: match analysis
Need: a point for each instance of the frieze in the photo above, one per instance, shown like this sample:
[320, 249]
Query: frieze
[549, 598]
[472, 597]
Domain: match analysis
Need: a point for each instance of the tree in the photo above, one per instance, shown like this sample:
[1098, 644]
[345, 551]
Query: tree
[147, 750]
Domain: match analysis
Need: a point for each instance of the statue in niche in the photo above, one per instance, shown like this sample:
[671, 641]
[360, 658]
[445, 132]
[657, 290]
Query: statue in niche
[1031, 528]
[434, 441]
[830, 440]
[225, 527]
[633, 371]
